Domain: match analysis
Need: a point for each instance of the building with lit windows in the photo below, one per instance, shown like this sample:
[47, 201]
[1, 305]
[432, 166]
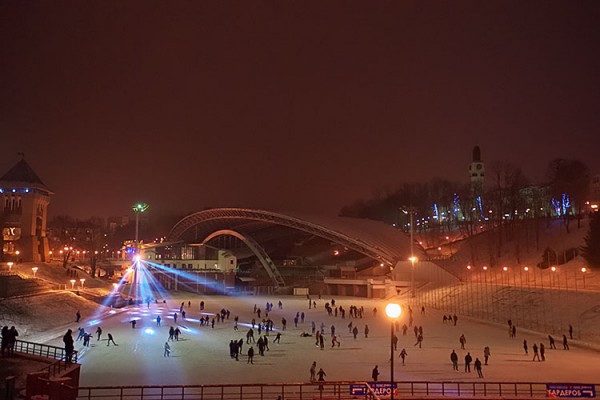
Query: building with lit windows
[196, 267]
[24, 201]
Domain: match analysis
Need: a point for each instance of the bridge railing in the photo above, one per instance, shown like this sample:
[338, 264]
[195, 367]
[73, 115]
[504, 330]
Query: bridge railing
[285, 391]
[472, 389]
[43, 350]
[321, 391]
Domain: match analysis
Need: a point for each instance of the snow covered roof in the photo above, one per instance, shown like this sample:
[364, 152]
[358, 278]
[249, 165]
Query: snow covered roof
[371, 238]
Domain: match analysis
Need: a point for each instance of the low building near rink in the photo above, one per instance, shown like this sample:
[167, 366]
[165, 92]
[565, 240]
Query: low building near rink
[198, 268]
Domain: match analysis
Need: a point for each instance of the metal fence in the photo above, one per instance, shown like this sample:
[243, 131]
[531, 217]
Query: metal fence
[323, 391]
[298, 391]
[43, 350]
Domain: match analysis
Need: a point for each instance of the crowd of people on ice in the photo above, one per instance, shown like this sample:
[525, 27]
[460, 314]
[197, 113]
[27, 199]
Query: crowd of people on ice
[261, 326]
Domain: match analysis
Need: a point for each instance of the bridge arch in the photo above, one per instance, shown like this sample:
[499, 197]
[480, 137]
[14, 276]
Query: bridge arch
[256, 248]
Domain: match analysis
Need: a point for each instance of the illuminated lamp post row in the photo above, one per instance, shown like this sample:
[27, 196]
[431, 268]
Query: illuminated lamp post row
[73, 281]
[475, 302]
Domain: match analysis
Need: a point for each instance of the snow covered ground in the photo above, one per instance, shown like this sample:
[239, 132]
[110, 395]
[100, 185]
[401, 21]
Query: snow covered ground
[201, 356]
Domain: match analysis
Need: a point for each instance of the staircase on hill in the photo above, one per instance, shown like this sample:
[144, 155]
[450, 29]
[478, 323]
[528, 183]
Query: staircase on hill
[12, 285]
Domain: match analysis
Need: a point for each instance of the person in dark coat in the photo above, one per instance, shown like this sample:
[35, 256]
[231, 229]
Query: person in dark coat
[535, 352]
[454, 359]
[570, 331]
[375, 373]
[4, 339]
[110, 339]
[403, 355]
[478, 368]
[551, 342]
[69, 346]
[468, 360]
[322, 376]
[565, 343]
[250, 355]
[12, 339]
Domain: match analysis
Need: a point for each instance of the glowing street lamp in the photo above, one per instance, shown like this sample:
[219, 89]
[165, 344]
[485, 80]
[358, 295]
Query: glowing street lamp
[583, 270]
[82, 280]
[35, 270]
[553, 269]
[393, 311]
[115, 287]
[10, 264]
[72, 283]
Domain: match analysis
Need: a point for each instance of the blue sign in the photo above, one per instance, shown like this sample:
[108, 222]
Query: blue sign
[573, 391]
[379, 388]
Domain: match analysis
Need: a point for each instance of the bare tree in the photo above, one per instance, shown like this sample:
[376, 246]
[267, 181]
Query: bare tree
[571, 178]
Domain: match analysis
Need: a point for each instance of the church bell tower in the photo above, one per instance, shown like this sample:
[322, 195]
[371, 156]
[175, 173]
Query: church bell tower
[477, 172]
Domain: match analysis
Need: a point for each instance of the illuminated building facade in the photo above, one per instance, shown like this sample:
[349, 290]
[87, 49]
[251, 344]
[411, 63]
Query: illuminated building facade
[195, 267]
[24, 201]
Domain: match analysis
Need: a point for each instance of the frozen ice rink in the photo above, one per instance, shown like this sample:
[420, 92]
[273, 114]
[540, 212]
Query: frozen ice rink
[201, 356]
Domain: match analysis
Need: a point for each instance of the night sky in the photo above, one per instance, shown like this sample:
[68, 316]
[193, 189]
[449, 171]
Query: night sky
[289, 105]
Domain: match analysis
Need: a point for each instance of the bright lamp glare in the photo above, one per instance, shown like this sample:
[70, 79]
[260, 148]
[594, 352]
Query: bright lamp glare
[393, 310]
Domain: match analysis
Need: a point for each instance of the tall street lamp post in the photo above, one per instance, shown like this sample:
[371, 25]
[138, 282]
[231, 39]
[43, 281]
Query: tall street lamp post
[393, 311]
[412, 260]
[410, 212]
[137, 209]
